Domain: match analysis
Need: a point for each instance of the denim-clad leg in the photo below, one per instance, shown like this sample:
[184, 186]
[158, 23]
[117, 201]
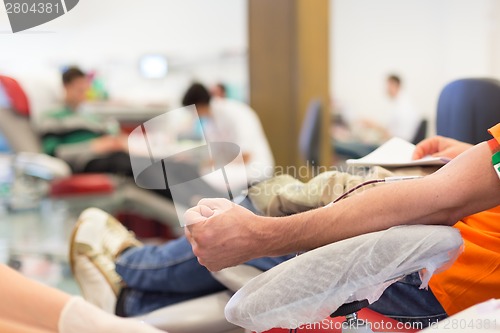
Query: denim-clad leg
[171, 267]
[157, 276]
[404, 301]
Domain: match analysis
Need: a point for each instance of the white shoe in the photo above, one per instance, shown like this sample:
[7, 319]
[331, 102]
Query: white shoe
[97, 240]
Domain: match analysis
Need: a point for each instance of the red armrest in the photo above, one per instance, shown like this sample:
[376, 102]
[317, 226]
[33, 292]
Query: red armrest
[83, 184]
[16, 95]
[378, 322]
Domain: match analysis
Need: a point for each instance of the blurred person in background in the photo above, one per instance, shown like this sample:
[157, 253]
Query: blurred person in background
[220, 120]
[226, 120]
[403, 117]
[88, 143]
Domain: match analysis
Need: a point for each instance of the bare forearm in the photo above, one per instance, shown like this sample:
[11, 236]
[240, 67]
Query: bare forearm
[28, 302]
[224, 234]
[377, 209]
[465, 186]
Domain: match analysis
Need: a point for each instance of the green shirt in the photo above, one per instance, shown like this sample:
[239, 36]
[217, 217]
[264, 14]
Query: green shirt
[66, 126]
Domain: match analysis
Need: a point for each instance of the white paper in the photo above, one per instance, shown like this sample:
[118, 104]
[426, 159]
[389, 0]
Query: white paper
[396, 153]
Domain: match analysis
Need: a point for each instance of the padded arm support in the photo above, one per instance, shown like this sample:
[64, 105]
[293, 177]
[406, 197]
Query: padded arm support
[41, 165]
[200, 315]
[18, 132]
[309, 287]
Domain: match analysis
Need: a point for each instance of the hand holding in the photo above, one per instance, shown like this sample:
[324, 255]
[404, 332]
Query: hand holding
[222, 233]
[440, 146]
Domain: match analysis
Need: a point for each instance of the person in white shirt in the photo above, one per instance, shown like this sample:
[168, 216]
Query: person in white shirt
[401, 121]
[404, 118]
[226, 120]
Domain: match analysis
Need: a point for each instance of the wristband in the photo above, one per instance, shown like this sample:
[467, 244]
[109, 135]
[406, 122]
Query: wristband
[495, 147]
[495, 159]
[496, 163]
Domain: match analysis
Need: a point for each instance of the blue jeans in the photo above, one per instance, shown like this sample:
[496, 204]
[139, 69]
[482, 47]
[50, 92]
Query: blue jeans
[405, 302]
[157, 276]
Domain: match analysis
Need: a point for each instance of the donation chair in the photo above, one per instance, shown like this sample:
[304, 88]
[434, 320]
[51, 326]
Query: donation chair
[310, 133]
[421, 132]
[341, 278]
[467, 108]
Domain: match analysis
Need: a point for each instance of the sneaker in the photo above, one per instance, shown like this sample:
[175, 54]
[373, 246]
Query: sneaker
[96, 241]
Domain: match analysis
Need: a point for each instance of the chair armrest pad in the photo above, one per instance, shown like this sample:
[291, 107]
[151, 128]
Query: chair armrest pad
[200, 315]
[236, 277]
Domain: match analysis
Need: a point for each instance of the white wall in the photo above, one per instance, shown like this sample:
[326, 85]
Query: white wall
[111, 35]
[428, 42]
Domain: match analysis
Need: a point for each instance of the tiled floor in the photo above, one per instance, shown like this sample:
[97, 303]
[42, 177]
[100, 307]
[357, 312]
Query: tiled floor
[36, 243]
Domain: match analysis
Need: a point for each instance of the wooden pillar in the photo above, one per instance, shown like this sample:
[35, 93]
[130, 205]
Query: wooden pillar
[288, 67]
